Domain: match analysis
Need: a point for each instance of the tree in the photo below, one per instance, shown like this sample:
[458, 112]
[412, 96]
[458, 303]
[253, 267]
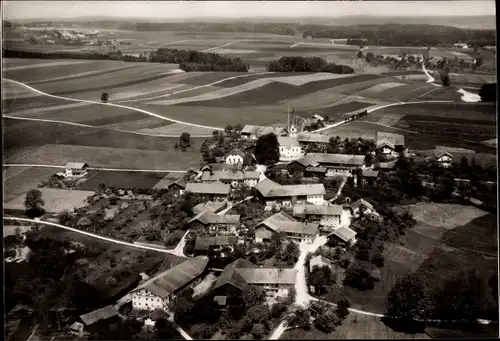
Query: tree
[259, 313]
[407, 303]
[228, 129]
[327, 322]
[320, 278]
[300, 319]
[64, 217]
[184, 141]
[248, 160]
[104, 97]
[370, 57]
[360, 54]
[291, 253]
[488, 92]
[343, 308]
[258, 330]
[277, 309]
[359, 278]
[267, 150]
[238, 128]
[33, 203]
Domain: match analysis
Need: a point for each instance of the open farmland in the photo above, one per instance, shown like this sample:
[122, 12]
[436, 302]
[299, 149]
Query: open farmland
[355, 326]
[106, 157]
[19, 180]
[122, 180]
[56, 200]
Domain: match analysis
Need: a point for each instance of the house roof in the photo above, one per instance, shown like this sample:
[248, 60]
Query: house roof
[76, 165]
[201, 188]
[320, 259]
[204, 243]
[212, 218]
[440, 153]
[313, 138]
[220, 300]
[395, 139]
[383, 143]
[363, 202]
[209, 207]
[177, 277]
[301, 210]
[170, 180]
[367, 173]
[251, 175]
[316, 169]
[271, 189]
[262, 130]
[236, 151]
[99, 315]
[344, 233]
[268, 275]
[386, 165]
[343, 159]
[230, 276]
[229, 175]
[288, 141]
[282, 222]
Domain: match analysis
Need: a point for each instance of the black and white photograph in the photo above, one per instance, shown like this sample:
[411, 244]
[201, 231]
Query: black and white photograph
[249, 170]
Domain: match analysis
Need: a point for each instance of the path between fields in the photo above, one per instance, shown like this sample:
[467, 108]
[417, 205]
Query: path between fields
[96, 168]
[218, 47]
[112, 105]
[99, 127]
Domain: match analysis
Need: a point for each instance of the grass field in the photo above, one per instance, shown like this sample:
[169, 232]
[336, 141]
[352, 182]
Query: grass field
[56, 200]
[122, 180]
[355, 326]
[18, 180]
[106, 157]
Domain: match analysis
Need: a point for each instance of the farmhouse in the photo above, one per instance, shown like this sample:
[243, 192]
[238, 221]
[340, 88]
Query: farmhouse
[361, 205]
[443, 159]
[254, 132]
[234, 157]
[313, 172]
[386, 149]
[233, 178]
[319, 261]
[396, 140]
[343, 236]
[369, 176]
[176, 183]
[205, 245]
[76, 169]
[282, 222]
[325, 216]
[275, 194]
[214, 224]
[241, 274]
[99, 316]
[158, 292]
[335, 163]
[306, 139]
[215, 191]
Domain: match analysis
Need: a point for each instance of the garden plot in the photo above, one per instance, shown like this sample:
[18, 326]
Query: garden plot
[56, 200]
[122, 158]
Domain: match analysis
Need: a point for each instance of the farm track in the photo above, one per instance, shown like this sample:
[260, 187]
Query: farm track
[111, 105]
[96, 168]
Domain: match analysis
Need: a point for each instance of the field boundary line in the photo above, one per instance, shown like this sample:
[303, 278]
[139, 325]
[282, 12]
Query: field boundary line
[89, 234]
[97, 127]
[96, 168]
[113, 105]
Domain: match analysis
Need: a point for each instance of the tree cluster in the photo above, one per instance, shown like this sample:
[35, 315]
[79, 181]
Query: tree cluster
[266, 150]
[330, 318]
[306, 64]
[488, 92]
[202, 27]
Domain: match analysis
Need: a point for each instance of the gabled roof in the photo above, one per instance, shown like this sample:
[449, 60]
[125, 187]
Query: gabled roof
[268, 275]
[99, 315]
[314, 138]
[320, 259]
[211, 207]
[212, 218]
[177, 277]
[262, 130]
[272, 189]
[314, 159]
[344, 233]
[316, 169]
[301, 210]
[386, 165]
[395, 139]
[230, 276]
[171, 180]
[204, 243]
[282, 222]
[236, 151]
[367, 173]
[440, 153]
[363, 202]
[382, 144]
[201, 188]
[288, 141]
[76, 165]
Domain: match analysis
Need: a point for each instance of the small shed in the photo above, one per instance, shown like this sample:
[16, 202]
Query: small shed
[99, 315]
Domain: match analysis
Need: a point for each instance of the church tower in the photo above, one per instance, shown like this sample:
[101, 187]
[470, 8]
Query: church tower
[293, 128]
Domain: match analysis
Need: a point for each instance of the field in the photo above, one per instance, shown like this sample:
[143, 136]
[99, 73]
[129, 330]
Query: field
[436, 247]
[19, 180]
[56, 200]
[122, 180]
[355, 326]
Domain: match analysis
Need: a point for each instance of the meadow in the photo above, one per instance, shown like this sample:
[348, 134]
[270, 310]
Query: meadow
[122, 180]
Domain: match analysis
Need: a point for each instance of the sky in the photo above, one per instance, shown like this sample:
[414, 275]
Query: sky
[237, 9]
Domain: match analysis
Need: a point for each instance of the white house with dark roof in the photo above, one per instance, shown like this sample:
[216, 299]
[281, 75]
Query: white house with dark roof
[443, 158]
[235, 157]
[290, 148]
[386, 149]
[289, 195]
[326, 216]
[396, 140]
[158, 292]
[319, 261]
[282, 222]
[216, 224]
[75, 169]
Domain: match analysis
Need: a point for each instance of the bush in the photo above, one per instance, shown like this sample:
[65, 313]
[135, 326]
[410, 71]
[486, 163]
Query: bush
[277, 310]
[84, 222]
[258, 330]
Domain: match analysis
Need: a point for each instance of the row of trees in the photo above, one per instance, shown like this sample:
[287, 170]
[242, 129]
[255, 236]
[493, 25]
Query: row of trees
[306, 64]
[402, 35]
[202, 27]
[459, 301]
